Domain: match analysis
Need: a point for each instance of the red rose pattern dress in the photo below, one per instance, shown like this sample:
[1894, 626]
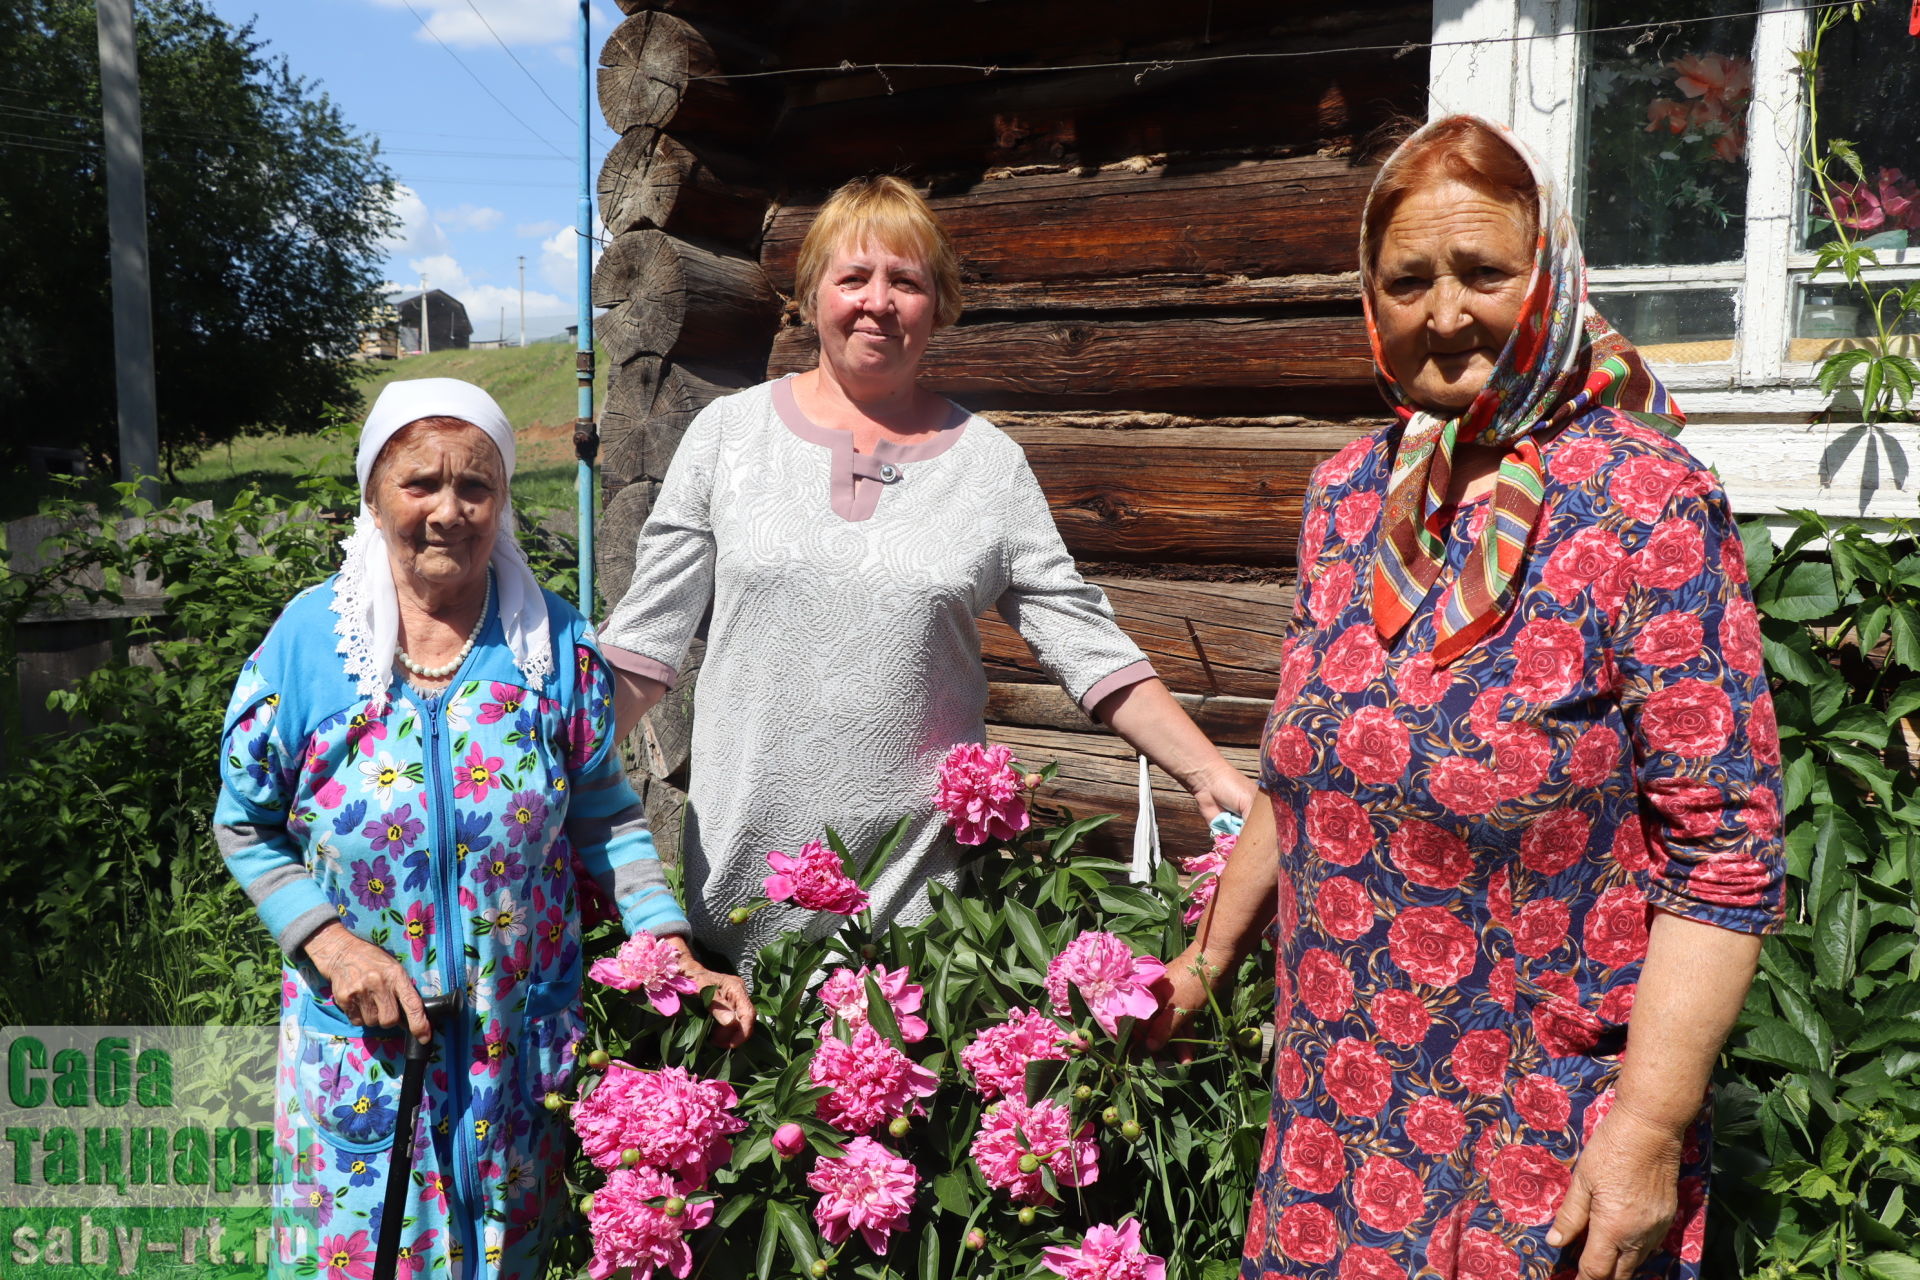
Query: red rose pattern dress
[1470, 856]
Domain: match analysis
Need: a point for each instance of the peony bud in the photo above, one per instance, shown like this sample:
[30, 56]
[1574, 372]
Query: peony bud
[674, 1207]
[976, 1240]
[1028, 1215]
[1029, 1163]
[1110, 1117]
[789, 1140]
[900, 1126]
[739, 915]
[1083, 1093]
[554, 1101]
[1078, 1042]
[819, 1267]
[1031, 780]
[1251, 1037]
[1130, 1131]
[599, 1058]
[586, 1203]
[630, 1157]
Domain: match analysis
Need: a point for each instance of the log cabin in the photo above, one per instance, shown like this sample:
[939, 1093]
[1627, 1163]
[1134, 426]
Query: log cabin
[1156, 206]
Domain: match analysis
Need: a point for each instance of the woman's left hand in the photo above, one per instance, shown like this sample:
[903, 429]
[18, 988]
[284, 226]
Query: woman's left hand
[1623, 1196]
[1224, 789]
[729, 1004]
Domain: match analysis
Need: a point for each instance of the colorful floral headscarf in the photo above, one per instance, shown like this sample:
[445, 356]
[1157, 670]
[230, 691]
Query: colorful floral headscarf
[1561, 361]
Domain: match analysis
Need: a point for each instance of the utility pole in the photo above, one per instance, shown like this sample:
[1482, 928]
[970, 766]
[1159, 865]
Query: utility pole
[503, 327]
[523, 299]
[127, 239]
[426, 343]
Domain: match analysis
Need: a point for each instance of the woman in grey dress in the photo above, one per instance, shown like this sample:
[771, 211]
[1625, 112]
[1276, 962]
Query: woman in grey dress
[847, 526]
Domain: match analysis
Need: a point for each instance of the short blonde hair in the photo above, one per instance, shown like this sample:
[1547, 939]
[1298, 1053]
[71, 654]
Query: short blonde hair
[884, 210]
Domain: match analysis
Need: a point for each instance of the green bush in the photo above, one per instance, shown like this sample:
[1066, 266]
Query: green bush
[1179, 1142]
[1818, 1115]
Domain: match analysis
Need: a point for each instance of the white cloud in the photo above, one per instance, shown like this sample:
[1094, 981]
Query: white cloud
[485, 302]
[515, 22]
[559, 254]
[469, 217]
[537, 230]
[418, 231]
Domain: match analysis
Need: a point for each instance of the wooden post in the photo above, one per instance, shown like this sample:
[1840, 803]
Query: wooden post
[127, 239]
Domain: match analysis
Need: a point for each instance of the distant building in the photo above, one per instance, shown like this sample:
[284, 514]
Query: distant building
[448, 328]
[380, 334]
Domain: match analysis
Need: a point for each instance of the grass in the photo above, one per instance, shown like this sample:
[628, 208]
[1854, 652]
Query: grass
[534, 385]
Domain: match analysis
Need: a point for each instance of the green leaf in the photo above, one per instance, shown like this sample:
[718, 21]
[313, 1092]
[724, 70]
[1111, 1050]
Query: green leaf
[1026, 932]
[794, 1230]
[1836, 846]
[1836, 938]
[1906, 637]
[953, 1191]
[1771, 1040]
[769, 1241]
[884, 852]
[880, 1012]
[1892, 1266]
[1805, 593]
[930, 1252]
[1860, 724]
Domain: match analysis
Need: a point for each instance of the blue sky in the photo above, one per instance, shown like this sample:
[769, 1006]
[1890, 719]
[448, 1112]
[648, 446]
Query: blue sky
[480, 187]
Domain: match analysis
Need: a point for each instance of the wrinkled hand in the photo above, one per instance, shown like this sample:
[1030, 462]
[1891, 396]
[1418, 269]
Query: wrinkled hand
[1182, 992]
[728, 1003]
[1225, 790]
[369, 986]
[1623, 1196]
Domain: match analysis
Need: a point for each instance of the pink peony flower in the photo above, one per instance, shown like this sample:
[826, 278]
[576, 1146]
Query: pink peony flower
[1012, 1129]
[629, 1232]
[999, 1055]
[650, 966]
[814, 879]
[1110, 978]
[980, 793]
[866, 1189]
[1107, 1253]
[845, 994]
[872, 1081]
[789, 1140]
[677, 1122]
[1205, 872]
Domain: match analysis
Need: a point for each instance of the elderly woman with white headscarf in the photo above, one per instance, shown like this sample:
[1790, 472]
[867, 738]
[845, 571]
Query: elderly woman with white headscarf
[414, 762]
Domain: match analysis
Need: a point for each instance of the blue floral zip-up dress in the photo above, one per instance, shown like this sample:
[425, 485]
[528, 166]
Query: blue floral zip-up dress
[446, 828]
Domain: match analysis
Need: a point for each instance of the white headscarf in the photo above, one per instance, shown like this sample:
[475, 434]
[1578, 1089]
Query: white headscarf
[363, 596]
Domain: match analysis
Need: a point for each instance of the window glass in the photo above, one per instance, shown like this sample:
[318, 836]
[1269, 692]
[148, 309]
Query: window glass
[1869, 95]
[1829, 316]
[1663, 178]
[1677, 324]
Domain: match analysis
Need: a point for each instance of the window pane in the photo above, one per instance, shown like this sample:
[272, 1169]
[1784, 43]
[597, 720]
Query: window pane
[1870, 97]
[1684, 325]
[1829, 316]
[1664, 179]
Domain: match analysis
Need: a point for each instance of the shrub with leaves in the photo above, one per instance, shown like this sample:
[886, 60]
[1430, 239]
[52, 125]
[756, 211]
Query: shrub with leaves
[958, 1097]
[1818, 1112]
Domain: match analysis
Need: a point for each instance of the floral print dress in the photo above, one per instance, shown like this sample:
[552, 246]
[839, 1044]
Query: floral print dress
[1470, 856]
[445, 828]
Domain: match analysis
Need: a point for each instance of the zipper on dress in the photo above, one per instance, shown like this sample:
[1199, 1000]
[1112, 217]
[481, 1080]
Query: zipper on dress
[446, 890]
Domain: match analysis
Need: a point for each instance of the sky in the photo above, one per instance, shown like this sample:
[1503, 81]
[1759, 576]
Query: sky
[488, 165]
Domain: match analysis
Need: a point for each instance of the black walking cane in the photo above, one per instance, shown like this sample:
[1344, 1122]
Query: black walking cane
[400, 1161]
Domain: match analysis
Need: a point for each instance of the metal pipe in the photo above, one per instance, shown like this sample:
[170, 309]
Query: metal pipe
[586, 440]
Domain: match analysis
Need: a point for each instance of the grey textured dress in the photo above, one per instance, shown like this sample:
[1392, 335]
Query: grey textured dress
[843, 659]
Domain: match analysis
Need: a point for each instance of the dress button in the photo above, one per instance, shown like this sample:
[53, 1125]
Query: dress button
[888, 473]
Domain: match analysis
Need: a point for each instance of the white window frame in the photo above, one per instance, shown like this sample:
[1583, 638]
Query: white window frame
[1520, 62]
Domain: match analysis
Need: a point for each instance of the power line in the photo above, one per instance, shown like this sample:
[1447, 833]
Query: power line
[477, 80]
[565, 114]
[1146, 66]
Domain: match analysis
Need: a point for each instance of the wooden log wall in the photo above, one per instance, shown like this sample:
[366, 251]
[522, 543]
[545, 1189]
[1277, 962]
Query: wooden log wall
[1161, 305]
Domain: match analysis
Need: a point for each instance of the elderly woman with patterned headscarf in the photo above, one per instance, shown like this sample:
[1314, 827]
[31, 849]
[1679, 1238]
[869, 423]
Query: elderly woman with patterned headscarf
[1523, 772]
[415, 762]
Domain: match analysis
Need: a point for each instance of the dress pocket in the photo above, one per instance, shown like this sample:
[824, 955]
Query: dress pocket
[346, 1090]
[551, 1025]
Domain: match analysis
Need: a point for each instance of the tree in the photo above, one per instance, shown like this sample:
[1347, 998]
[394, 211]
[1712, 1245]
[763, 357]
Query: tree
[265, 213]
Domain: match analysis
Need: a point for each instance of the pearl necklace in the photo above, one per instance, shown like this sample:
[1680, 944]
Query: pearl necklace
[442, 672]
